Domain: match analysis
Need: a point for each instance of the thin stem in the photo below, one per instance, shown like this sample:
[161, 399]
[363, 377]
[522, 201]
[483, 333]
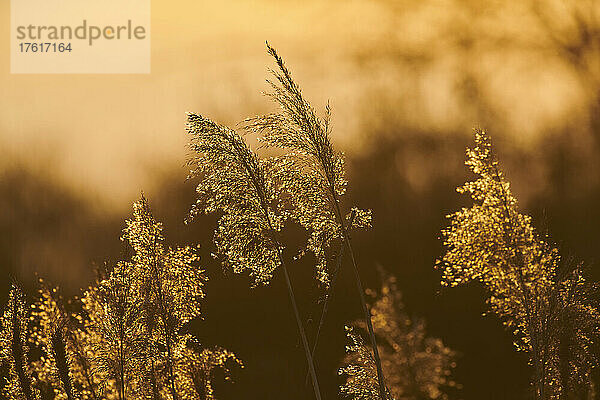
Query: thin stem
[328, 295]
[265, 209]
[85, 368]
[153, 381]
[91, 385]
[121, 312]
[539, 392]
[165, 320]
[84, 365]
[60, 360]
[309, 358]
[302, 115]
[361, 292]
[121, 361]
[17, 351]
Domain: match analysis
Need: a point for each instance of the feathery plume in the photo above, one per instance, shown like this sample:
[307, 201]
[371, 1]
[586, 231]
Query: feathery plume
[314, 178]
[494, 243]
[170, 280]
[241, 186]
[245, 190]
[416, 366]
[14, 349]
[117, 333]
[195, 366]
[360, 371]
[50, 334]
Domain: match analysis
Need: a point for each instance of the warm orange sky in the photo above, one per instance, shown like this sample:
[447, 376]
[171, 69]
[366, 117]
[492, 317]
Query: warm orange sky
[108, 135]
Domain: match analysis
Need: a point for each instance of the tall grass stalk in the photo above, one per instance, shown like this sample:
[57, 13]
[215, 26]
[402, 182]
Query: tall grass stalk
[238, 183]
[315, 191]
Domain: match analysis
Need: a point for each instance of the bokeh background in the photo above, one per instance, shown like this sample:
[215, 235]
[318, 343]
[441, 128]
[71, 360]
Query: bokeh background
[407, 81]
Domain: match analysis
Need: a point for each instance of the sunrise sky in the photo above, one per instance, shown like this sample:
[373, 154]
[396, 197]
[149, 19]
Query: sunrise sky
[377, 62]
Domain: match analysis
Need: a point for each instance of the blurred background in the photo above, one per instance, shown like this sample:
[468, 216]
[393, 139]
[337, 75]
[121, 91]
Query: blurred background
[407, 81]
